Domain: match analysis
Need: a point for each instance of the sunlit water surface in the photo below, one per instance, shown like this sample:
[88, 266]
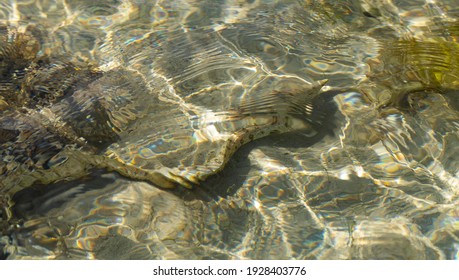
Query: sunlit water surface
[381, 181]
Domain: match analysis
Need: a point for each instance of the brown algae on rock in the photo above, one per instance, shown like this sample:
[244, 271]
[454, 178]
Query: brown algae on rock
[408, 66]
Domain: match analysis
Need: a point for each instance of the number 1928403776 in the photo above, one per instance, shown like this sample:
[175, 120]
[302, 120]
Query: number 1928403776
[279, 270]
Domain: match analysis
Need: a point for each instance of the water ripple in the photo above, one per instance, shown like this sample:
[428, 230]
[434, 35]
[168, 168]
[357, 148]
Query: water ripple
[165, 83]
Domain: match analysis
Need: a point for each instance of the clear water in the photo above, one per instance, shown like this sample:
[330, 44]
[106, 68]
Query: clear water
[378, 180]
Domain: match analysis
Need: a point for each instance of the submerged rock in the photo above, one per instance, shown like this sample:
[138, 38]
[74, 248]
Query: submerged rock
[61, 119]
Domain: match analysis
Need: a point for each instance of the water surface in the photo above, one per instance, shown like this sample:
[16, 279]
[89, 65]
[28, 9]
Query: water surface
[378, 180]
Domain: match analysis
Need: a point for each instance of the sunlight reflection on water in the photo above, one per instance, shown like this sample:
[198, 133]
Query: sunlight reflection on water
[373, 174]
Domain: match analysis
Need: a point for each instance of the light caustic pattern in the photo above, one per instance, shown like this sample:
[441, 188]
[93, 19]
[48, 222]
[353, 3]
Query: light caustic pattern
[367, 169]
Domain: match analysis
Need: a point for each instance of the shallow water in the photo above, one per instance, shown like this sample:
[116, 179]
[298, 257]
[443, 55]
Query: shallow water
[378, 179]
